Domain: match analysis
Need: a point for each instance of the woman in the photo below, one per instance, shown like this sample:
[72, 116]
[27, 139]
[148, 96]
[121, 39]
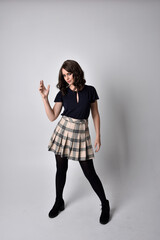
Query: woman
[71, 137]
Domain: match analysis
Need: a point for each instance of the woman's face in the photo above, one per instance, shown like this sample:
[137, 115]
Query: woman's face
[68, 77]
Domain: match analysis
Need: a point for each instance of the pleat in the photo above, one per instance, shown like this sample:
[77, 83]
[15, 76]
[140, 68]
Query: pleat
[78, 145]
[73, 152]
[89, 148]
[61, 137]
[70, 142]
[64, 143]
[83, 142]
[55, 136]
[86, 145]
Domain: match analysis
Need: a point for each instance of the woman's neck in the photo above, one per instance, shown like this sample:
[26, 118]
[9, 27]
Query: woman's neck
[73, 88]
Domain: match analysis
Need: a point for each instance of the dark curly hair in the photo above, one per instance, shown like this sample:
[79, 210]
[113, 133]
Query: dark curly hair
[78, 75]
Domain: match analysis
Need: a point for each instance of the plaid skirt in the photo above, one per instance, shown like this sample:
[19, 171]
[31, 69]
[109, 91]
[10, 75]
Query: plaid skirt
[71, 139]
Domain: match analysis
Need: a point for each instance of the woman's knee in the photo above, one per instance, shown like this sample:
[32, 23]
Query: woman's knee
[62, 163]
[88, 168]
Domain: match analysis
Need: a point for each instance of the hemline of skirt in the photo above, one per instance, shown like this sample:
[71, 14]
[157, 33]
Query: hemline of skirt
[72, 158]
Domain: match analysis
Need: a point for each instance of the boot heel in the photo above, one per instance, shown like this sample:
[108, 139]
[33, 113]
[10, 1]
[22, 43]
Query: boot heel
[62, 207]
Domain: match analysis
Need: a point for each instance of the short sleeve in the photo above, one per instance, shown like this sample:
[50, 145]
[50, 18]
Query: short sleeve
[94, 95]
[58, 97]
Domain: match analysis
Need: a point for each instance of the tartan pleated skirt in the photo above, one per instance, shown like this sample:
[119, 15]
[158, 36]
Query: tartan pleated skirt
[71, 139]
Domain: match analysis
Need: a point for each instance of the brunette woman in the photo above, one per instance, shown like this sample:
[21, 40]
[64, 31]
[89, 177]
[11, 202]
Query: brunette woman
[71, 137]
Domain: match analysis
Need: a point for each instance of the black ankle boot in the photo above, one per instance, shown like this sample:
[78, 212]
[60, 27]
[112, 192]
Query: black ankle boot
[105, 214]
[57, 208]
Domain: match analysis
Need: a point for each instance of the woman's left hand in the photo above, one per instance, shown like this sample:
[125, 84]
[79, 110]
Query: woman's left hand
[97, 144]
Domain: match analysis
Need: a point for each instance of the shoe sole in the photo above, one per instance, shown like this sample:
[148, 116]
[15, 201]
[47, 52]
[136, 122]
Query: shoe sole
[105, 222]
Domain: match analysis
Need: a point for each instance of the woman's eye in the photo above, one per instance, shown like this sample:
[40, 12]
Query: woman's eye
[67, 74]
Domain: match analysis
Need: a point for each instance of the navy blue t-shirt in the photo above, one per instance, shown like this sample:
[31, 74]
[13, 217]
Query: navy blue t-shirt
[74, 109]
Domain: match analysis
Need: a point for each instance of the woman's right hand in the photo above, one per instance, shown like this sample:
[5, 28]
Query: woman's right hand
[43, 91]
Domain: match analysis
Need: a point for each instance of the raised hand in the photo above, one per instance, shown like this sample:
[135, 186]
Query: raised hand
[43, 91]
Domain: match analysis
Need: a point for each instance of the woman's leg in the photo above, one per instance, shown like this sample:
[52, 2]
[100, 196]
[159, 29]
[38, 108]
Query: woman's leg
[62, 166]
[90, 173]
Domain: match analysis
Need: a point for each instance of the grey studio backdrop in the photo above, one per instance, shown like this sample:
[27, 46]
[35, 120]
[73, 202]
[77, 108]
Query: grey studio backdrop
[117, 44]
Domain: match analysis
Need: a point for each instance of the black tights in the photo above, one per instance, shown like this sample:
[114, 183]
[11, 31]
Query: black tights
[88, 170]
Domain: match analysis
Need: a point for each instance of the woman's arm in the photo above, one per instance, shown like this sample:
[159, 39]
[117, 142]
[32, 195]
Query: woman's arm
[96, 120]
[52, 114]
